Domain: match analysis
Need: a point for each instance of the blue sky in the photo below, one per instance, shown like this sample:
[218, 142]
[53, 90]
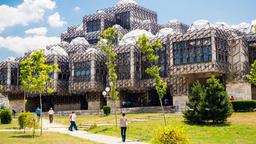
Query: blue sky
[14, 39]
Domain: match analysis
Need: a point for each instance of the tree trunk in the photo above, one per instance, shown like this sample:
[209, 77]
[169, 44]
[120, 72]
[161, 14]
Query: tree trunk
[115, 112]
[163, 110]
[41, 116]
[24, 101]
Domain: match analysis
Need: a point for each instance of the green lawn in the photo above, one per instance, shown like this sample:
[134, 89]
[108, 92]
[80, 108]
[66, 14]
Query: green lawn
[47, 138]
[241, 127]
[26, 138]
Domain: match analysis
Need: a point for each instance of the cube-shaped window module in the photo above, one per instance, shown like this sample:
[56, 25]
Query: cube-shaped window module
[93, 25]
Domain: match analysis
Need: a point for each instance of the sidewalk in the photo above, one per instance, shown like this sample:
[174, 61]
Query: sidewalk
[85, 135]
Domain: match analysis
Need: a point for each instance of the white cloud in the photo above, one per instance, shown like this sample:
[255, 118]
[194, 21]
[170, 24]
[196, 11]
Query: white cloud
[26, 12]
[77, 9]
[55, 20]
[20, 45]
[37, 31]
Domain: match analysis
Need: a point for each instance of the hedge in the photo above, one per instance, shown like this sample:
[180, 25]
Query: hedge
[106, 110]
[244, 105]
[5, 116]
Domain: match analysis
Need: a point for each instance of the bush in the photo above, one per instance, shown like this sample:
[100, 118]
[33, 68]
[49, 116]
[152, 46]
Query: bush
[27, 120]
[215, 106]
[244, 105]
[170, 135]
[192, 112]
[106, 110]
[6, 116]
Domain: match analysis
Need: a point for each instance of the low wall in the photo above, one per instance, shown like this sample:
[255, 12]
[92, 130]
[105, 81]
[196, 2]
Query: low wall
[155, 109]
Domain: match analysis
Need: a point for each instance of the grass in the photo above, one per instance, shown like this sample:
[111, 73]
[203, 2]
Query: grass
[18, 137]
[241, 127]
[47, 138]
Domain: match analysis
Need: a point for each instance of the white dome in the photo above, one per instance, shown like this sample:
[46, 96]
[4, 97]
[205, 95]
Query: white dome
[132, 37]
[166, 31]
[79, 41]
[242, 27]
[123, 2]
[251, 28]
[118, 27]
[199, 24]
[56, 50]
[174, 21]
[221, 25]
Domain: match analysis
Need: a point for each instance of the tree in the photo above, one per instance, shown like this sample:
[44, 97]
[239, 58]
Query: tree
[37, 75]
[215, 106]
[197, 94]
[255, 28]
[107, 44]
[252, 74]
[26, 74]
[148, 50]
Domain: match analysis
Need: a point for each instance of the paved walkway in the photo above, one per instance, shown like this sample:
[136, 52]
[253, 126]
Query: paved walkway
[84, 135]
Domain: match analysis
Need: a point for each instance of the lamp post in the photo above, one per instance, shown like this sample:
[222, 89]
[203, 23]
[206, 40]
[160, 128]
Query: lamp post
[105, 93]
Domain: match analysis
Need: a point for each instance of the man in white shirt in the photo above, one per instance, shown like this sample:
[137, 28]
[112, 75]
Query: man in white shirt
[51, 113]
[72, 120]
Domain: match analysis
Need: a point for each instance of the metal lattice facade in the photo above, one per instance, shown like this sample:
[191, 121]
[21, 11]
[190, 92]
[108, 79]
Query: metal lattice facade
[187, 56]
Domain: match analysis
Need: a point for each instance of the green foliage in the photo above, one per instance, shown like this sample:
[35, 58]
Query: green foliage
[6, 116]
[215, 106]
[106, 110]
[148, 50]
[244, 105]
[197, 94]
[252, 74]
[170, 135]
[27, 120]
[1, 88]
[34, 73]
[107, 40]
[255, 28]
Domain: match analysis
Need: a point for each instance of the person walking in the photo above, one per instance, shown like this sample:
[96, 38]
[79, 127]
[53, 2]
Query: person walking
[51, 113]
[72, 120]
[123, 125]
[38, 112]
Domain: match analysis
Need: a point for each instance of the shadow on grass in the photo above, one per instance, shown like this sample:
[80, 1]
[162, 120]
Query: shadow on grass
[24, 136]
[226, 124]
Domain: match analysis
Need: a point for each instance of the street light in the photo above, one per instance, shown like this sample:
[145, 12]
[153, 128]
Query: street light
[105, 93]
[107, 89]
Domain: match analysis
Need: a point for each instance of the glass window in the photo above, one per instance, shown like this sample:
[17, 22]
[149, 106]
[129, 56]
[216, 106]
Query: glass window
[82, 71]
[123, 19]
[93, 25]
[192, 51]
[123, 66]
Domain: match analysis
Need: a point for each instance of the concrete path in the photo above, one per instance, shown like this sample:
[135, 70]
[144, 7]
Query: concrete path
[84, 135]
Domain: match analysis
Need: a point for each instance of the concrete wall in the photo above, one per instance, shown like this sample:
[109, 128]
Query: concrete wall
[253, 92]
[64, 107]
[240, 90]
[111, 103]
[4, 102]
[180, 102]
[94, 102]
[17, 105]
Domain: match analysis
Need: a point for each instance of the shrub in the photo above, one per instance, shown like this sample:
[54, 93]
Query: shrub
[215, 106]
[170, 135]
[27, 120]
[244, 105]
[192, 113]
[6, 116]
[106, 110]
